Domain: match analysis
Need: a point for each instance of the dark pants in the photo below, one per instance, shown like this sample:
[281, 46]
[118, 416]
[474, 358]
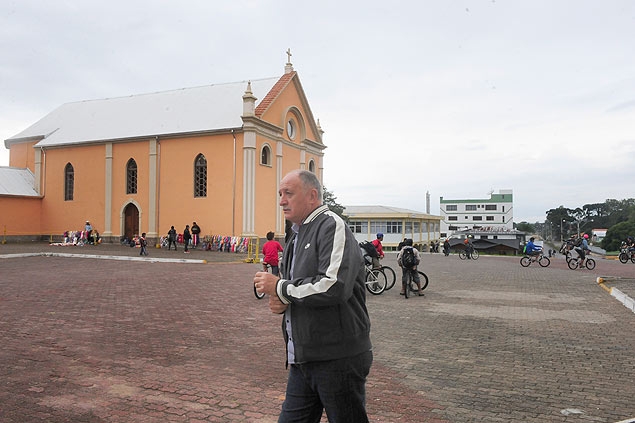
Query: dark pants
[337, 386]
[170, 242]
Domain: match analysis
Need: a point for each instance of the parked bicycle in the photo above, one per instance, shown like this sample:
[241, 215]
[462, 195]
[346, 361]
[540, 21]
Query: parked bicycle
[574, 263]
[542, 260]
[375, 279]
[391, 277]
[410, 287]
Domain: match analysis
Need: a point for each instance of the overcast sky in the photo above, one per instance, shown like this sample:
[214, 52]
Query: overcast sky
[461, 97]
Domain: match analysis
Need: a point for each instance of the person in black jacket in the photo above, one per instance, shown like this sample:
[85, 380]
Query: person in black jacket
[322, 296]
[186, 238]
[172, 238]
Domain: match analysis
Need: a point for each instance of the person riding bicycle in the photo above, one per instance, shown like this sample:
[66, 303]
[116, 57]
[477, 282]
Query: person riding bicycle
[469, 247]
[582, 249]
[409, 270]
[532, 249]
[380, 250]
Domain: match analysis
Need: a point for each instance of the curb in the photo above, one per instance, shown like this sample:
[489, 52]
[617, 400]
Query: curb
[105, 257]
[627, 301]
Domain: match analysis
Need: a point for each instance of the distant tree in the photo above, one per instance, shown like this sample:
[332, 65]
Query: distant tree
[526, 227]
[559, 219]
[618, 233]
[330, 200]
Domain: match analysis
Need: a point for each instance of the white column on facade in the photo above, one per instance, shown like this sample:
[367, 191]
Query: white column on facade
[38, 170]
[280, 228]
[152, 189]
[249, 183]
[108, 192]
[303, 159]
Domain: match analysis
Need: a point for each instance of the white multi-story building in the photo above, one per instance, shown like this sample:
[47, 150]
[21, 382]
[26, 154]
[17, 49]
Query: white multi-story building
[494, 214]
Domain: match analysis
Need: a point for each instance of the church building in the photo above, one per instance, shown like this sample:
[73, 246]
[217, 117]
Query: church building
[213, 155]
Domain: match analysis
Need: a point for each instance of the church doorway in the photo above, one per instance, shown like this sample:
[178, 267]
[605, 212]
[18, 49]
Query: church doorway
[131, 221]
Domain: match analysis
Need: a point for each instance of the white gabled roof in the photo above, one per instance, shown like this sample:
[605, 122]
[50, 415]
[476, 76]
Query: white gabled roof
[186, 110]
[16, 181]
[365, 211]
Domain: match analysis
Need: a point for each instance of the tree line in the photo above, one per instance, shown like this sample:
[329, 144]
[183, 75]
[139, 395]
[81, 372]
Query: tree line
[617, 216]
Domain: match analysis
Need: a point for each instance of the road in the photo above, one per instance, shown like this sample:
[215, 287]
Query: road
[93, 340]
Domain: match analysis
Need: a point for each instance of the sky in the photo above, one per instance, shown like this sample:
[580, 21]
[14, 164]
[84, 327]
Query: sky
[457, 99]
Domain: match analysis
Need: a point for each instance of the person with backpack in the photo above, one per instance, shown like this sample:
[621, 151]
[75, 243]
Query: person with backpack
[408, 259]
[582, 249]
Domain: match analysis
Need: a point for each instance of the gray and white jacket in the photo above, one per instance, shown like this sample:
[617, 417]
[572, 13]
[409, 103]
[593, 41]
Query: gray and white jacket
[326, 296]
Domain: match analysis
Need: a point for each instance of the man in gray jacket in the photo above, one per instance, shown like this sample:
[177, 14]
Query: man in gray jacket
[321, 293]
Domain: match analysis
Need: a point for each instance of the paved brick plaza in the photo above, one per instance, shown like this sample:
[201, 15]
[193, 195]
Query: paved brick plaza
[88, 340]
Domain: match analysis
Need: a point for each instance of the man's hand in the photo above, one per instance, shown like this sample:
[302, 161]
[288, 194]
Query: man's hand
[275, 305]
[265, 283]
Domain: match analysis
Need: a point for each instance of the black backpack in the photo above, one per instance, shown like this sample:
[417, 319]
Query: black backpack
[369, 248]
[408, 259]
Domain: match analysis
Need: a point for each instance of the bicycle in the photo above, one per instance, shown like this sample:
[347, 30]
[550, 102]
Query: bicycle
[410, 286]
[473, 256]
[375, 279]
[626, 254]
[391, 277]
[574, 263]
[542, 260]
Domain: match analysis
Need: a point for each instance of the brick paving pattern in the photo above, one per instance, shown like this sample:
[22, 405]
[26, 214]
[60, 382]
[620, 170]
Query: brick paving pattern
[88, 340]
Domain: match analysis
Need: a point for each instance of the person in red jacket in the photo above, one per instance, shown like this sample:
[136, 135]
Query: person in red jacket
[380, 250]
[270, 250]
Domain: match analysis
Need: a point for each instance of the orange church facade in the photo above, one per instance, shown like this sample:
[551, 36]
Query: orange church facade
[212, 155]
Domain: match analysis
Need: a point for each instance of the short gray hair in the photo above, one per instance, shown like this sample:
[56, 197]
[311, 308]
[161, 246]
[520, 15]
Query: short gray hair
[310, 180]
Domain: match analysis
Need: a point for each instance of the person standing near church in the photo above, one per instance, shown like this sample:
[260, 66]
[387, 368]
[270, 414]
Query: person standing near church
[143, 243]
[321, 293]
[186, 238]
[196, 230]
[172, 238]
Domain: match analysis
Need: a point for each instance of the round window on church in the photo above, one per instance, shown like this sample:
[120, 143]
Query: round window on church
[291, 129]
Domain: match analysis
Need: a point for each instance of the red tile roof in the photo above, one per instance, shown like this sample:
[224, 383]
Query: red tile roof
[274, 93]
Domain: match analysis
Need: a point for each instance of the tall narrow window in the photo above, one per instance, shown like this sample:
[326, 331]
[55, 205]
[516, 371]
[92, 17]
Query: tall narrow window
[131, 177]
[311, 166]
[200, 176]
[265, 156]
[69, 182]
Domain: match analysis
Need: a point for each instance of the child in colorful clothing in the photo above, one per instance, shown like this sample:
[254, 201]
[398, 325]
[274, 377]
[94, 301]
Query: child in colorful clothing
[270, 251]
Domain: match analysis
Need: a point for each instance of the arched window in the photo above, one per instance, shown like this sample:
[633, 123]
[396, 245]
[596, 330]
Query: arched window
[69, 182]
[131, 177]
[311, 166]
[200, 176]
[265, 156]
